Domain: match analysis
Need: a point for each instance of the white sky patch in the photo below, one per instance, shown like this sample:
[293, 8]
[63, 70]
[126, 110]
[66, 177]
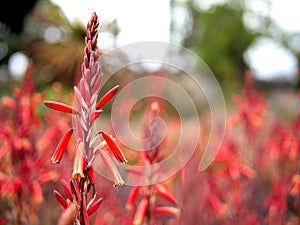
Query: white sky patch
[278, 63]
[17, 64]
[138, 20]
[287, 14]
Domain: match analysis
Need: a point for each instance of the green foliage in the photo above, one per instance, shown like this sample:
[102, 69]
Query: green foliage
[220, 37]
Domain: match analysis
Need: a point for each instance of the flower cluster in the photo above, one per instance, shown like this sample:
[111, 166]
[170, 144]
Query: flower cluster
[23, 168]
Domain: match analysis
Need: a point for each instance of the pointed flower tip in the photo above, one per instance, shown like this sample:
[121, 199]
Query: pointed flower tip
[118, 184]
[132, 198]
[107, 96]
[114, 147]
[140, 211]
[60, 199]
[94, 115]
[60, 107]
[94, 207]
[61, 147]
[168, 210]
[67, 190]
[163, 192]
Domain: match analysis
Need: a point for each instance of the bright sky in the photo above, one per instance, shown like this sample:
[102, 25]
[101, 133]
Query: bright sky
[139, 20]
[144, 20]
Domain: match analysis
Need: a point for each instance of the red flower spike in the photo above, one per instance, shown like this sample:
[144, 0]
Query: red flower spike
[107, 97]
[114, 147]
[61, 147]
[162, 191]
[140, 212]
[132, 197]
[60, 107]
[94, 207]
[67, 190]
[168, 210]
[60, 199]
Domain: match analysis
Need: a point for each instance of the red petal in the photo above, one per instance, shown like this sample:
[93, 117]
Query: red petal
[94, 207]
[107, 97]
[94, 115]
[91, 175]
[165, 194]
[37, 192]
[61, 147]
[60, 199]
[112, 169]
[79, 164]
[67, 190]
[168, 210]
[140, 212]
[114, 147]
[132, 197]
[84, 211]
[60, 107]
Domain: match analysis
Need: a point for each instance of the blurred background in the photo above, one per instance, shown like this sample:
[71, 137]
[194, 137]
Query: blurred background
[234, 38]
[231, 37]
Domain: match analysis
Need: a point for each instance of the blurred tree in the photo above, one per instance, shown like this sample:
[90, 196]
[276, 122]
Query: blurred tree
[221, 33]
[219, 36]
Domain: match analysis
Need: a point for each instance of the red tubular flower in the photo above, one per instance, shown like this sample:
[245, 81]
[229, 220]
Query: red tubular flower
[219, 207]
[94, 207]
[132, 197]
[60, 107]
[107, 97]
[37, 192]
[140, 211]
[60, 199]
[94, 115]
[112, 169]
[91, 175]
[67, 190]
[79, 164]
[296, 185]
[61, 147]
[168, 210]
[162, 191]
[117, 152]
[84, 210]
